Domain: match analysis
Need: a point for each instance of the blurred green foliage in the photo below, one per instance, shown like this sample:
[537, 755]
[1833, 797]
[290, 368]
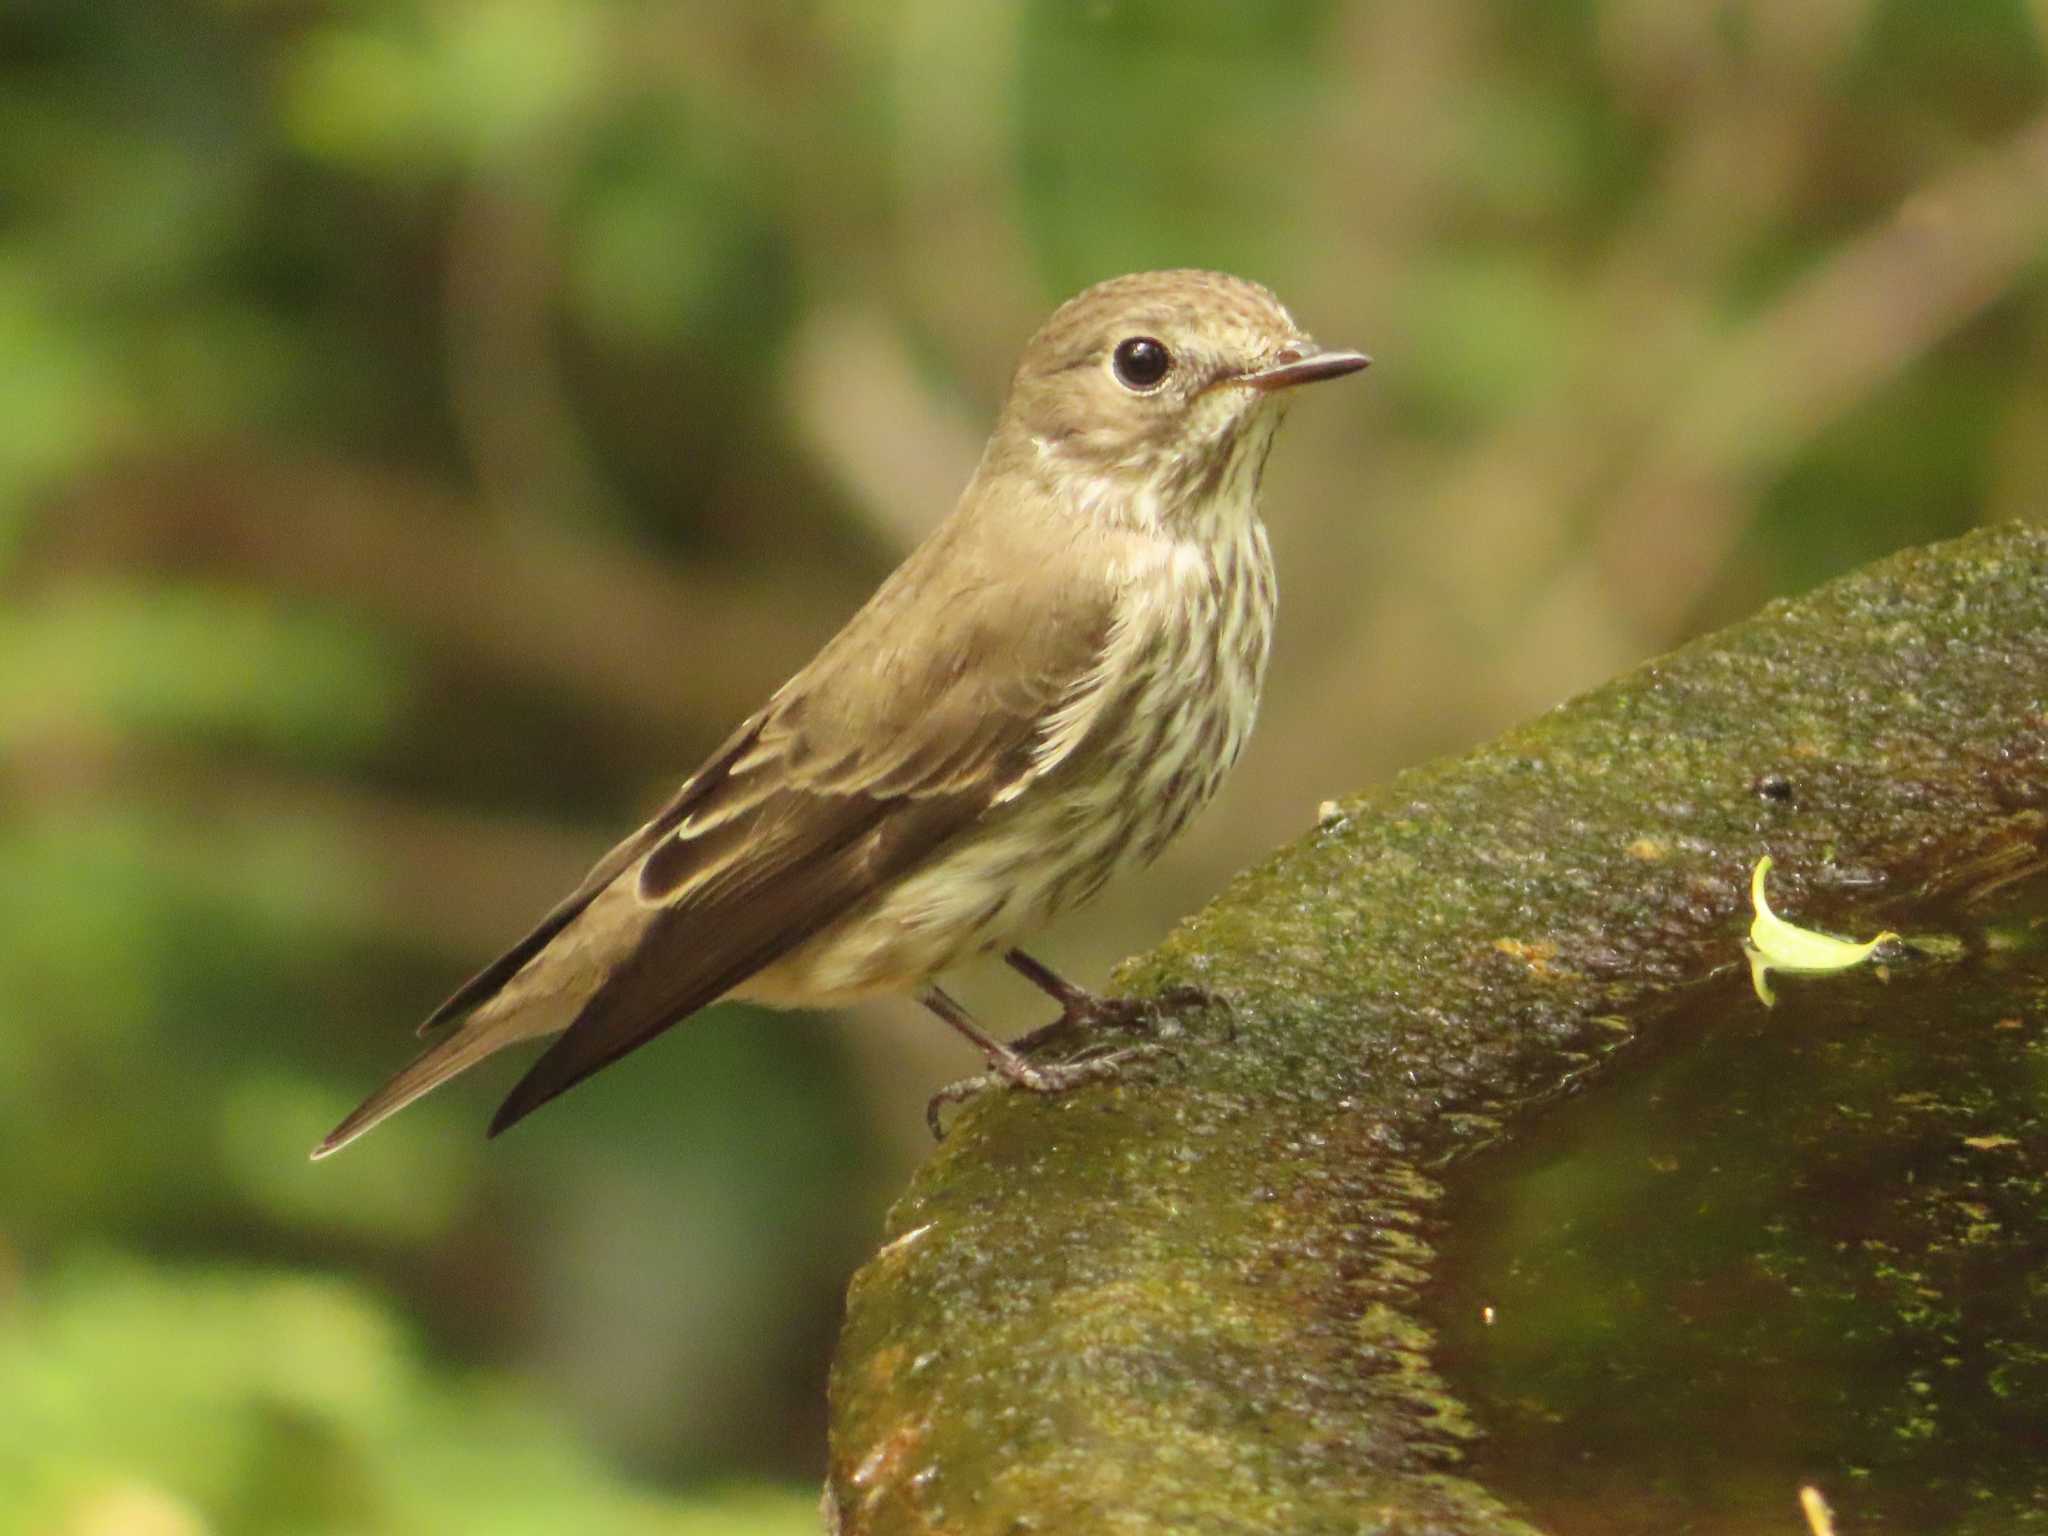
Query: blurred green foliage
[426, 424]
[146, 1401]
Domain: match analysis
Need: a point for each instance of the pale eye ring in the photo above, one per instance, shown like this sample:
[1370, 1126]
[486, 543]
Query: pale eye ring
[1141, 363]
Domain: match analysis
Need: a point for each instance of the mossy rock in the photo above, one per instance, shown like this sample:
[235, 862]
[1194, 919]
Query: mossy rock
[1197, 1298]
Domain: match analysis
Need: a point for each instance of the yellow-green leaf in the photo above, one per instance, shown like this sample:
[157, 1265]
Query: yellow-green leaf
[1776, 945]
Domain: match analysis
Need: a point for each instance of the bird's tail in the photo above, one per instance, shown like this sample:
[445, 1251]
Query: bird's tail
[427, 1071]
[540, 996]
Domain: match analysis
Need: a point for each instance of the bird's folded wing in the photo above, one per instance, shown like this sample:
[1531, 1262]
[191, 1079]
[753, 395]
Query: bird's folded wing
[854, 776]
[807, 865]
[701, 785]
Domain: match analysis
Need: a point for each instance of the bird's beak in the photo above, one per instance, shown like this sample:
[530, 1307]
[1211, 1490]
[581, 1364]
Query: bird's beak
[1303, 363]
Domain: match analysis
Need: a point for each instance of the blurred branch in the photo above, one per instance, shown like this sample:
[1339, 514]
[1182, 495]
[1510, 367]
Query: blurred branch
[459, 884]
[962, 245]
[662, 646]
[954, 256]
[1690, 417]
[856, 396]
[504, 386]
[1878, 303]
[1742, 137]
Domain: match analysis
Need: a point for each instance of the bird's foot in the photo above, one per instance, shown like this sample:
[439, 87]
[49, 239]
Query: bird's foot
[1128, 1015]
[1081, 1009]
[1138, 1015]
[1011, 1070]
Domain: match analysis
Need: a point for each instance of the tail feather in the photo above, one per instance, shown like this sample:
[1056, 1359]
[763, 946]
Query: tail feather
[538, 997]
[433, 1067]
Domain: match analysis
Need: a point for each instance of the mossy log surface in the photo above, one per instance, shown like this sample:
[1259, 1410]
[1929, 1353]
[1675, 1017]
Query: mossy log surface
[1180, 1301]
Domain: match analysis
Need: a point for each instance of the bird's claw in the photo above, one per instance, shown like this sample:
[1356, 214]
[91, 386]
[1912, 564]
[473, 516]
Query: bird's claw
[1052, 1078]
[1085, 1011]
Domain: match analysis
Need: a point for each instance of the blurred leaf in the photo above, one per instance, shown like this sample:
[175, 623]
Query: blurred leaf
[224, 1400]
[664, 235]
[1893, 471]
[60, 396]
[517, 72]
[395, 94]
[198, 661]
[1972, 65]
[365, 99]
[740, 1123]
[1136, 118]
[1533, 156]
[408, 1184]
[1486, 330]
[134, 955]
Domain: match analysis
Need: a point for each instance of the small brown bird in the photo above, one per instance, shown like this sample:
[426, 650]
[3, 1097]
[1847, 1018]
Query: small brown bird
[1040, 696]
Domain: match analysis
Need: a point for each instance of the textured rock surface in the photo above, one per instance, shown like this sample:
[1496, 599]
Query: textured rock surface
[1181, 1302]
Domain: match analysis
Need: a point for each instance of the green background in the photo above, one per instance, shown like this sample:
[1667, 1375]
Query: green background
[426, 427]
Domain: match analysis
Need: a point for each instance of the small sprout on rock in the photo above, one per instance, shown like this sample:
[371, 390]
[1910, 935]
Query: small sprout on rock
[1776, 945]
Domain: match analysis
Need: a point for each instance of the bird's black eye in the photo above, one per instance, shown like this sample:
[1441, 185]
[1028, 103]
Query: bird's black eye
[1141, 362]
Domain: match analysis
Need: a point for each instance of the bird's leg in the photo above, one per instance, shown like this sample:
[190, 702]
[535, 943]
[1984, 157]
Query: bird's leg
[1072, 999]
[1007, 1065]
[1005, 1061]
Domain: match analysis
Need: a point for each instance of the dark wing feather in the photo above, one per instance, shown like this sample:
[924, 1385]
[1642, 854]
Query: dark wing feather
[902, 732]
[699, 787]
[826, 861]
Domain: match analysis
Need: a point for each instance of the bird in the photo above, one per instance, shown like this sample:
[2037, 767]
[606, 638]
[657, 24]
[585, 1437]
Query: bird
[1039, 697]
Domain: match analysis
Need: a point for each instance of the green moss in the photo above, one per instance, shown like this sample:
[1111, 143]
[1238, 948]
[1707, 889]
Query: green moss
[1184, 1300]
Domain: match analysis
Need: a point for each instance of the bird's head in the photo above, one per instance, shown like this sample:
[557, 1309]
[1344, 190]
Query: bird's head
[1154, 394]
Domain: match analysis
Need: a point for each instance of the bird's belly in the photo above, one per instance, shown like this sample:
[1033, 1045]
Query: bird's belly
[986, 892]
[1049, 850]
[978, 894]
